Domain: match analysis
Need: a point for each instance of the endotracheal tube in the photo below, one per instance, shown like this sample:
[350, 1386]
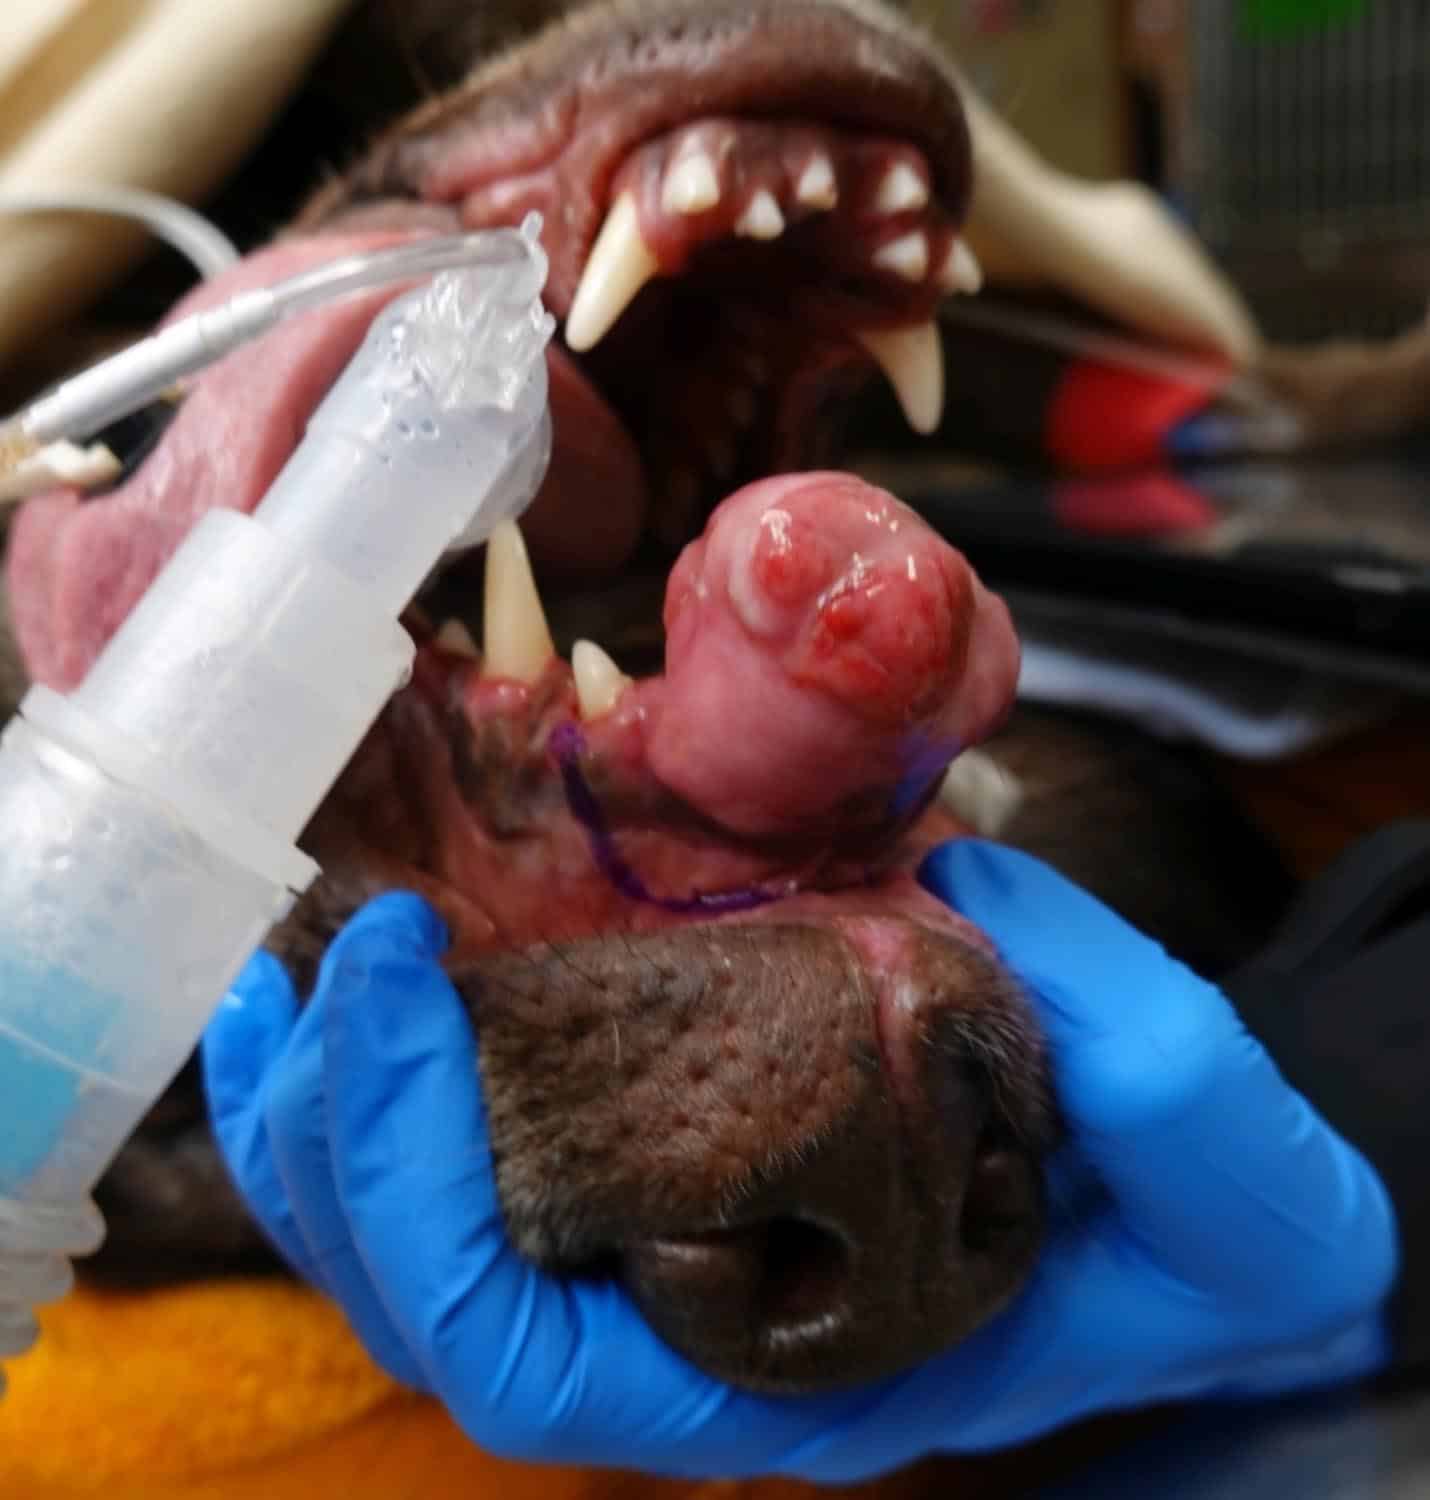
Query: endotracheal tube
[150, 817]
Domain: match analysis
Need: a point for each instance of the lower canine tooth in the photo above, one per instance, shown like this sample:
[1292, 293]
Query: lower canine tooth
[907, 256]
[518, 638]
[816, 187]
[599, 681]
[691, 186]
[762, 219]
[912, 359]
[961, 271]
[620, 264]
[454, 637]
[978, 790]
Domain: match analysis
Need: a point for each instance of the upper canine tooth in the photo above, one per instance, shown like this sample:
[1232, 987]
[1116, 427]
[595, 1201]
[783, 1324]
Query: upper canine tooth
[901, 190]
[961, 271]
[518, 638]
[816, 187]
[456, 638]
[907, 256]
[599, 681]
[912, 359]
[620, 264]
[762, 219]
[691, 185]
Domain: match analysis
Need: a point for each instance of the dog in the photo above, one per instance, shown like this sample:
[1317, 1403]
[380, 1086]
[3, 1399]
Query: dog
[732, 1054]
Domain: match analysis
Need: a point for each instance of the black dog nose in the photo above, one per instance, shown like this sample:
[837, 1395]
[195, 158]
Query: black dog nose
[802, 1164]
[783, 1283]
[865, 1252]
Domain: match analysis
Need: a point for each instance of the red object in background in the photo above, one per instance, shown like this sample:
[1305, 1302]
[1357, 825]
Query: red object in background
[1140, 505]
[1104, 416]
[994, 17]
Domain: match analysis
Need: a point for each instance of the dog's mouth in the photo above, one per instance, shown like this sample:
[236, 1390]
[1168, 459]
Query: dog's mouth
[730, 1049]
[748, 209]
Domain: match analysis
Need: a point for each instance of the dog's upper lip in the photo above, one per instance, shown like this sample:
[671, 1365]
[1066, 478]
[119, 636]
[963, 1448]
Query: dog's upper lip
[554, 124]
[560, 115]
[612, 84]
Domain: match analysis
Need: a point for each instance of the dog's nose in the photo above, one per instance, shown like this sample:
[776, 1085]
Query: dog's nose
[805, 1150]
[884, 1240]
[783, 1283]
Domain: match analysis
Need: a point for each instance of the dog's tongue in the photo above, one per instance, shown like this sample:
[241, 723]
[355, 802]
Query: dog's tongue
[76, 567]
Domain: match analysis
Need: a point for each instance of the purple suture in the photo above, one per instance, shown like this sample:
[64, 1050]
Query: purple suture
[567, 744]
[927, 761]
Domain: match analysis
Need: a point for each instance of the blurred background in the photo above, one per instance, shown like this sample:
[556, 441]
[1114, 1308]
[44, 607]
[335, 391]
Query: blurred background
[1294, 137]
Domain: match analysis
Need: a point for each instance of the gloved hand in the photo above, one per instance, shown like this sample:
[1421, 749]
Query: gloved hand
[1211, 1236]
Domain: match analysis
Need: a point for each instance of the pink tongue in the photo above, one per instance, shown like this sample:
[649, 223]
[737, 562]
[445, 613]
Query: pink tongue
[823, 647]
[76, 568]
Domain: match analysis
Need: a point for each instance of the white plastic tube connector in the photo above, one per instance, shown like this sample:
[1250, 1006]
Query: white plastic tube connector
[150, 818]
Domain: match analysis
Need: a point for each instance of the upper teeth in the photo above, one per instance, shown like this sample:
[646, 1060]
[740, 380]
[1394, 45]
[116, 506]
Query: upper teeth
[621, 263]
[907, 256]
[762, 219]
[619, 266]
[901, 190]
[691, 186]
[816, 187]
[961, 271]
[912, 358]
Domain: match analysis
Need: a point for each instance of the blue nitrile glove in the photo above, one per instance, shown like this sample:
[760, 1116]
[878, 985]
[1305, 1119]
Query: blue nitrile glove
[1211, 1236]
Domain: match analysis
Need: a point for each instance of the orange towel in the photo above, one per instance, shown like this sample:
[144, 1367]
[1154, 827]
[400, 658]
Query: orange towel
[254, 1391]
[241, 1389]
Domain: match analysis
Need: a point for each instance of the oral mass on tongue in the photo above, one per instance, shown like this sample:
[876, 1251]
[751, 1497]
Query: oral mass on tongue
[824, 649]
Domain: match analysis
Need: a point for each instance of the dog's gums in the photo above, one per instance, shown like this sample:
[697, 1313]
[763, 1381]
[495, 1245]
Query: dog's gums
[732, 1052]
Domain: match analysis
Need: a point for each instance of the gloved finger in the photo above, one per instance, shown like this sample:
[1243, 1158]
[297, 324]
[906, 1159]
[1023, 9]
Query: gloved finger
[1087, 1334]
[241, 1047]
[1095, 1331]
[246, 1034]
[533, 1367]
[1356, 1353]
[414, 1172]
[1090, 1334]
[295, 1117]
[1225, 1174]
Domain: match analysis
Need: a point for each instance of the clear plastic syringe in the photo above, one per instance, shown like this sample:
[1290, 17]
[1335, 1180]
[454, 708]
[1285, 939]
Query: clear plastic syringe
[150, 817]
